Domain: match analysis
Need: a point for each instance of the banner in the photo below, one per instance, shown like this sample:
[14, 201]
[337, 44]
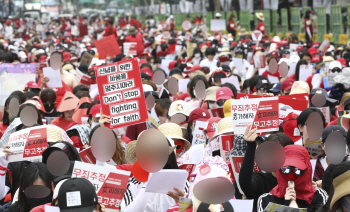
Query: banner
[129, 48]
[107, 46]
[198, 134]
[262, 113]
[226, 144]
[121, 93]
[28, 144]
[110, 184]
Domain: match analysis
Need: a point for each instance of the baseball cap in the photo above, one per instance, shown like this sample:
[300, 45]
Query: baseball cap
[312, 50]
[57, 146]
[332, 128]
[147, 71]
[290, 127]
[145, 76]
[300, 87]
[296, 155]
[276, 88]
[210, 93]
[179, 106]
[261, 83]
[287, 84]
[95, 111]
[335, 64]
[80, 193]
[66, 56]
[199, 114]
[342, 62]
[224, 93]
[212, 126]
[31, 84]
[323, 92]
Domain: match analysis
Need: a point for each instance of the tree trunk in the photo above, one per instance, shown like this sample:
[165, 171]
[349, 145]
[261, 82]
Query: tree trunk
[217, 5]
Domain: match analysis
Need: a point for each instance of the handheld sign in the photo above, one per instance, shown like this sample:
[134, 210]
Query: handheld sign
[121, 93]
[257, 35]
[28, 144]
[110, 184]
[262, 113]
[186, 25]
[107, 46]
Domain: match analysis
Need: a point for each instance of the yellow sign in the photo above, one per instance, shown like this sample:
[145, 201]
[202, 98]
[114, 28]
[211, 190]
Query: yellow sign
[301, 36]
[343, 38]
[287, 36]
[329, 36]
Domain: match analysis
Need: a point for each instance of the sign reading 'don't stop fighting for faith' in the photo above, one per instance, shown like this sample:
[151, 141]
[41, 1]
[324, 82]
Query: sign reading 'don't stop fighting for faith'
[121, 94]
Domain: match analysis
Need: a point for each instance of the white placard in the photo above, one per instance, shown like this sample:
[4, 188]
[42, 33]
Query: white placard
[233, 80]
[217, 24]
[273, 79]
[304, 72]
[127, 46]
[198, 134]
[165, 180]
[54, 76]
[183, 85]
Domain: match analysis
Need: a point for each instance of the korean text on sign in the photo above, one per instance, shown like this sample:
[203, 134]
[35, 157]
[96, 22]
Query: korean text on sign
[121, 93]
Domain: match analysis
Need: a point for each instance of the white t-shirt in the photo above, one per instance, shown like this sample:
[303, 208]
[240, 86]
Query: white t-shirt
[244, 72]
[206, 63]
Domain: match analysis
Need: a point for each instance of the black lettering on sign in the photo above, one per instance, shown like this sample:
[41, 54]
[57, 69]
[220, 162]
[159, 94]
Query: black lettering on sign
[116, 97]
[131, 94]
[125, 67]
[125, 118]
[126, 107]
[242, 116]
[117, 77]
[119, 86]
[107, 70]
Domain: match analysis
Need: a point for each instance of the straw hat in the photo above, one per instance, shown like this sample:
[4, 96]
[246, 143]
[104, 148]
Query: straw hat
[225, 125]
[326, 59]
[242, 31]
[54, 134]
[174, 131]
[225, 51]
[260, 16]
[341, 188]
[132, 30]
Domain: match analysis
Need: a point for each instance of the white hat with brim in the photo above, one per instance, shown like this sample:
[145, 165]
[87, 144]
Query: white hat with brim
[344, 77]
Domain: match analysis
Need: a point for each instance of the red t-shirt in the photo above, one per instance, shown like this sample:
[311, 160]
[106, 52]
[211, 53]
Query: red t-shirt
[137, 39]
[261, 27]
[163, 53]
[40, 208]
[61, 122]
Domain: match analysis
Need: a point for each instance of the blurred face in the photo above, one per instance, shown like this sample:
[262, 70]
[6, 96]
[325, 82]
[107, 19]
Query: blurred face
[68, 115]
[307, 58]
[286, 92]
[164, 118]
[210, 57]
[262, 90]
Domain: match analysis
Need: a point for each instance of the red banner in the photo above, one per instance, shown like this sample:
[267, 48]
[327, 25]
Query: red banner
[107, 46]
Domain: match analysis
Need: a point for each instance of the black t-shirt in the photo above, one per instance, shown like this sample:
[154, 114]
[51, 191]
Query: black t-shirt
[15, 169]
[12, 208]
[320, 198]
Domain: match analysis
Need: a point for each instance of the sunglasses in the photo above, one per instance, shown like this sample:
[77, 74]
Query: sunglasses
[336, 70]
[220, 103]
[288, 169]
[262, 90]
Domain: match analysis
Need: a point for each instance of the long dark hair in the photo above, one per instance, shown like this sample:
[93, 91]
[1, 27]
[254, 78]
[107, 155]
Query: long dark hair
[29, 174]
[194, 82]
[39, 120]
[297, 68]
[188, 135]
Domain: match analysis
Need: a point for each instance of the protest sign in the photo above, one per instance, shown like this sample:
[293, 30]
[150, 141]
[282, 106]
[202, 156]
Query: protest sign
[238, 62]
[86, 59]
[82, 78]
[198, 134]
[217, 24]
[87, 156]
[165, 65]
[305, 72]
[217, 112]
[313, 147]
[326, 113]
[121, 93]
[295, 103]
[110, 184]
[186, 25]
[282, 208]
[183, 85]
[262, 113]
[273, 79]
[257, 35]
[232, 80]
[189, 168]
[107, 46]
[28, 144]
[226, 144]
[324, 46]
[259, 61]
[129, 48]
[54, 76]
[330, 79]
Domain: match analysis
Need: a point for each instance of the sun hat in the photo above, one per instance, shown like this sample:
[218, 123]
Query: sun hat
[53, 133]
[179, 106]
[210, 93]
[174, 131]
[326, 59]
[130, 152]
[225, 125]
[69, 102]
[242, 31]
[344, 77]
[260, 16]
[132, 30]
[335, 64]
[341, 186]
[225, 51]
[81, 193]
[300, 87]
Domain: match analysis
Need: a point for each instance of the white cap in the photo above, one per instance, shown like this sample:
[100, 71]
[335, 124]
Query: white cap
[294, 58]
[276, 39]
[335, 64]
[147, 87]
[284, 60]
[218, 15]
[179, 106]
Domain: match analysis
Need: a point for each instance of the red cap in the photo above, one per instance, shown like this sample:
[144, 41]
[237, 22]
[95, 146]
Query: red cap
[212, 126]
[8, 22]
[171, 65]
[315, 60]
[287, 84]
[95, 111]
[224, 93]
[66, 56]
[147, 71]
[274, 54]
[342, 62]
[290, 127]
[199, 114]
[296, 155]
[233, 44]
[31, 84]
[195, 68]
[142, 61]
[42, 59]
[312, 51]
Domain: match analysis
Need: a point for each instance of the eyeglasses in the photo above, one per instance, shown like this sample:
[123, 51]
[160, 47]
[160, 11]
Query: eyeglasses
[288, 169]
[338, 70]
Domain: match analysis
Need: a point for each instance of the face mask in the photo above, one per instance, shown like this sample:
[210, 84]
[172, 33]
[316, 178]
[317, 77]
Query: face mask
[48, 108]
[34, 202]
[94, 124]
[197, 55]
[76, 64]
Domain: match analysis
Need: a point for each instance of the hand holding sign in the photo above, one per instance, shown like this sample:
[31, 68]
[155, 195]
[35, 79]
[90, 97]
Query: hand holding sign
[250, 135]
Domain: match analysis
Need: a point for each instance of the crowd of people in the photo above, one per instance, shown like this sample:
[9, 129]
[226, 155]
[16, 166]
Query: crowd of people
[230, 66]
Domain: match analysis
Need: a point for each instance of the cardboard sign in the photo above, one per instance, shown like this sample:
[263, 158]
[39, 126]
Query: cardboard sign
[186, 25]
[107, 46]
[217, 24]
[262, 113]
[110, 184]
[217, 112]
[323, 47]
[226, 144]
[83, 30]
[82, 78]
[330, 79]
[198, 134]
[86, 59]
[257, 35]
[326, 113]
[121, 93]
[87, 156]
[259, 61]
[28, 144]
[305, 72]
[282, 208]
[129, 48]
[189, 168]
